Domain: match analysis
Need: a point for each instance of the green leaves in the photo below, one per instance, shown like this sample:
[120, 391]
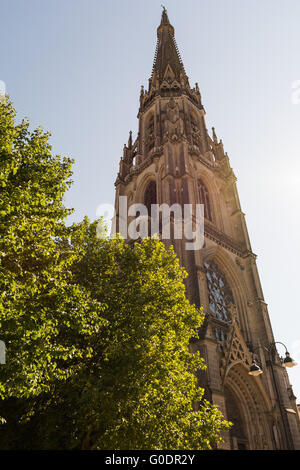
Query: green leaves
[34, 278]
[97, 332]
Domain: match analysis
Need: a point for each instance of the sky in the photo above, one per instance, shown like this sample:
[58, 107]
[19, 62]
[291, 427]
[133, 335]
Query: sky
[75, 67]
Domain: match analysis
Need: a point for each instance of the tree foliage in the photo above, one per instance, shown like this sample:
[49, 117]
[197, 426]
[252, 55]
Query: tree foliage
[97, 331]
[38, 304]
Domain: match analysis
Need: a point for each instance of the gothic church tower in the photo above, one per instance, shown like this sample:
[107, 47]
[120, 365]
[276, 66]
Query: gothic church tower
[175, 160]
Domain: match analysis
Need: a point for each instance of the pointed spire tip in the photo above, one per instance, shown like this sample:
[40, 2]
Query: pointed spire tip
[165, 23]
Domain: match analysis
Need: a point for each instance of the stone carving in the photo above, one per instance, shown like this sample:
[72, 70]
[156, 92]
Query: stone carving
[196, 133]
[173, 126]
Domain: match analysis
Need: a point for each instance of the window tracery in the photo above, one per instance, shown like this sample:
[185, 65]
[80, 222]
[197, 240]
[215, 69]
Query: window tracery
[219, 293]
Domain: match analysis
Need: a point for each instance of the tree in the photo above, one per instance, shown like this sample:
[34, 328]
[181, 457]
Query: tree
[97, 331]
[37, 302]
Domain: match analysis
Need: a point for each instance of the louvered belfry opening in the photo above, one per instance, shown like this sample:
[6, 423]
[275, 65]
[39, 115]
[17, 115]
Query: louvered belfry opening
[204, 199]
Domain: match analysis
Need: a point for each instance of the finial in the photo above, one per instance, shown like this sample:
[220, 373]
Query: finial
[214, 135]
[130, 140]
[164, 12]
[164, 16]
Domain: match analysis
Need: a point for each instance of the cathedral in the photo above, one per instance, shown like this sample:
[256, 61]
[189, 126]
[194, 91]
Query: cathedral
[174, 160]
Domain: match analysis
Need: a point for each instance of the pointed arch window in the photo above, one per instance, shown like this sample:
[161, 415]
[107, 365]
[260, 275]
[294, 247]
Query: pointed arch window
[219, 293]
[150, 196]
[204, 199]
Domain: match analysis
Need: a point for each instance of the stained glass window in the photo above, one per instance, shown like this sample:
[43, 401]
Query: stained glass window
[220, 296]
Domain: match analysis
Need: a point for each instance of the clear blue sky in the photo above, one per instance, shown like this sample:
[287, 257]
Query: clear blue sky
[76, 67]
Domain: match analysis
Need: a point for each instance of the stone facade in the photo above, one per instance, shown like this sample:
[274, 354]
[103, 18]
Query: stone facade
[175, 160]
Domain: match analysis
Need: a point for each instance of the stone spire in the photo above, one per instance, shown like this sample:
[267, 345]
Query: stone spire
[168, 76]
[167, 64]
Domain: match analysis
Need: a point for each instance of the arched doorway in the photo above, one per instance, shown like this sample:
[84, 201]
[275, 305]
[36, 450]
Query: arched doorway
[237, 433]
[248, 409]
